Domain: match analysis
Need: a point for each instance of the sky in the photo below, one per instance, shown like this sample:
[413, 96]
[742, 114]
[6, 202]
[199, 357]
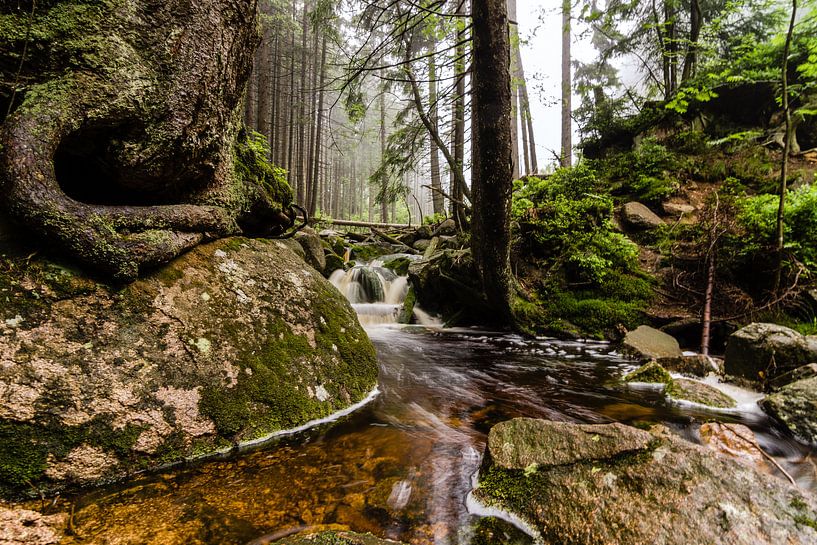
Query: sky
[540, 27]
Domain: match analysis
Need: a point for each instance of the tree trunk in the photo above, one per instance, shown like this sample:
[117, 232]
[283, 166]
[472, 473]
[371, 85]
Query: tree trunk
[492, 162]
[84, 167]
[437, 198]
[457, 175]
[384, 204]
[319, 130]
[567, 90]
[784, 167]
[514, 42]
[695, 22]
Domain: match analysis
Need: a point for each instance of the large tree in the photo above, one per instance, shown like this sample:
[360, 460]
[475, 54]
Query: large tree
[492, 161]
[119, 142]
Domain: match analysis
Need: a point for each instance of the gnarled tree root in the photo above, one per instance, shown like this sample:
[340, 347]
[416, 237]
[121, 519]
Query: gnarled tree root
[117, 241]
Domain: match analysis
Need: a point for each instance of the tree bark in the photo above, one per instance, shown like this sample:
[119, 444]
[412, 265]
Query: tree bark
[492, 161]
[120, 175]
[437, 198]
[784, 167]
[567, 90]
[513, 28]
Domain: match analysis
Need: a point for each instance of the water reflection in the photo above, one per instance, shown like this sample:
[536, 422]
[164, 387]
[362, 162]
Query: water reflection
[400, 467]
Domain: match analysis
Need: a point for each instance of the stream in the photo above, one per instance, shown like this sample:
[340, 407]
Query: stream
[401, 467]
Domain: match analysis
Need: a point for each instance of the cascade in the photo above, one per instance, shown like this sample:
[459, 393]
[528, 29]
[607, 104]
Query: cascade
[377, 294]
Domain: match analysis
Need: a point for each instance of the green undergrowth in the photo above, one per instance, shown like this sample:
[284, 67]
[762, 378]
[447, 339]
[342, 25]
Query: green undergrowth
[580, 276]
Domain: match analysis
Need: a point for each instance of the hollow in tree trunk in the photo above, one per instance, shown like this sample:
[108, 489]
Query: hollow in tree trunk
[120, 140]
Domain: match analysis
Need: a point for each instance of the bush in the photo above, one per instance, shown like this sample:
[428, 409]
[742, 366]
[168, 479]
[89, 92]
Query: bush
[644, 173]
[758, 217]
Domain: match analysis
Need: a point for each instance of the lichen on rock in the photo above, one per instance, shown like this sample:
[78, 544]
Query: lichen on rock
[228, 343]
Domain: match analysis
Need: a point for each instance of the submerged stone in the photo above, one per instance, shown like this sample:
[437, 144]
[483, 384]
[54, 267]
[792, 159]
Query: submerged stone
[640, 488]
[332, 538]
[228, 343]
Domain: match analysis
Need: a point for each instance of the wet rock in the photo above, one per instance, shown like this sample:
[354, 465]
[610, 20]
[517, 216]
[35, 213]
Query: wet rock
[698, 392]
[24, 527]
[333, 263]
[367, 252]
[650, 372]
[446, 285]
[806, 371]
[230, 342]
[795, 406]
[697, 365]
[736, 441]
[637, 216]
[761, 351]
[647, 343]
[313, 249]
[525, 442]
[650, 488]
[330, 538]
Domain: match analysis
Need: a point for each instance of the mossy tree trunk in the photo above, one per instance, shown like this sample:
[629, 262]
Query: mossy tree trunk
[120, 141]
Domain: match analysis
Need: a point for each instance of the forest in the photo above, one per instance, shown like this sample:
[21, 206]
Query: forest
[384, 272]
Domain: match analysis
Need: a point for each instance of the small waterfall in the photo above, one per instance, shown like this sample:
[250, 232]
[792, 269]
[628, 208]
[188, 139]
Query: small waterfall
[376, 293]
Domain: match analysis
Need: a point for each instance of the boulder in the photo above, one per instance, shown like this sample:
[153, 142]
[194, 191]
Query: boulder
[313, 249]
[697, 365]
[650, 372]
[761, 351]
[24, 527]
[421, 245]
[575, 484]
[647, 343]
[697, 392]
[795, 406]
[228, 343]
[329, 538]
[806, 371]
[333, 263]
[447, 228]
[637, 216]
[446, 284]
[678, 210]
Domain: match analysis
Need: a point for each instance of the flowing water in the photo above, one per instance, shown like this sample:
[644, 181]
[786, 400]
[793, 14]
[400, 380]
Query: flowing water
[401, 466]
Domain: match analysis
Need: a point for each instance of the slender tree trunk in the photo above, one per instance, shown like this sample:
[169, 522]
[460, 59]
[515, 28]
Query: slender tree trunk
[672, 45]
[311, 182]
[301, 152]
[457, 169]
[534, 167]
[492, 162]
[706, 322]
[437, 198]
[384, 204]
[319, 128]
[784, 167]
[567, 89]
[514, 41]
[695, 21]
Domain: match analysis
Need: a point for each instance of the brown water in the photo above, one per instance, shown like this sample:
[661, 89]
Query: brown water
[400, 467]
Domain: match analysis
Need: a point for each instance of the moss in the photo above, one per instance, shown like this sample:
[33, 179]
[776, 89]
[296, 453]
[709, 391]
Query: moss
[407, 311]
[26, 447]
[696, 392]
[270, 397]
[369, 252]
[253, 169]
[398, 265]
[650, 372]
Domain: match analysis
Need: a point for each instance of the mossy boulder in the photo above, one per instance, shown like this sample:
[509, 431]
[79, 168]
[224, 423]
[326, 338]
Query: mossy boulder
[697, 392]
[228, 343]
[761, 351]
[650, 372]
[795, 406]
[610, 483]
[335, 538]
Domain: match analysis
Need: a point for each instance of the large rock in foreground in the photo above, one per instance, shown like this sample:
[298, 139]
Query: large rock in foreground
[588, 484]
[761, 351]
[228, 343]
[795, 406]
